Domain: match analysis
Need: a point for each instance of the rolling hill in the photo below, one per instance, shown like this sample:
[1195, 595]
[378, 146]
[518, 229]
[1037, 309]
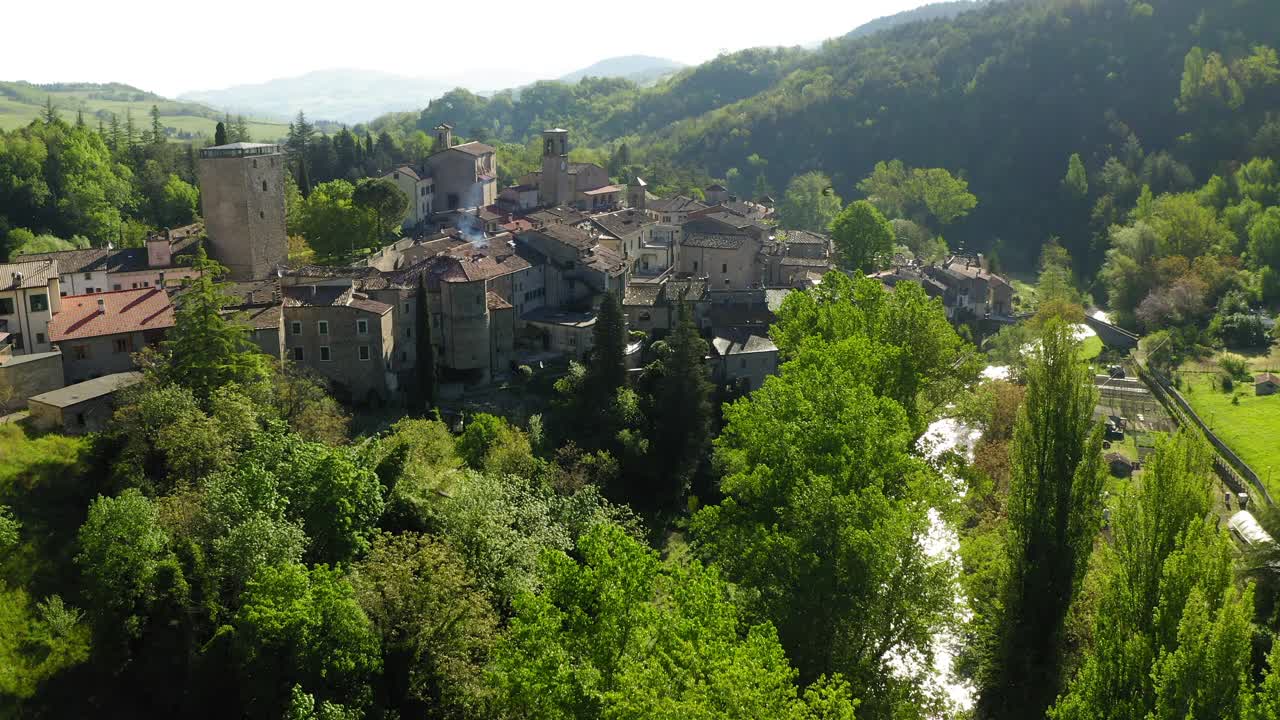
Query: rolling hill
[22, 102]
[639, 69]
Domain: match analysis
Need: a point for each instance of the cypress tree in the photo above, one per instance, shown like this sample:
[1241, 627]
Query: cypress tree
[681, 412]
[425, 352]
[1054, 511]
[115, 135]
[606, 364]
[220, 134]
[50, 113]
[157, 128]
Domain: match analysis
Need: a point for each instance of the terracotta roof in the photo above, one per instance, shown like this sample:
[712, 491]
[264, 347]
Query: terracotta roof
[123, 311]
[495, 301]
[642, 294]
[474, 261]
[804, 237]
[678, 203]
[622, 222]
[709, 240]
[741, 342]
[71, 261]
[404, 170]
[331, 296]
[473, 148]
[605, 190]
[34, 274]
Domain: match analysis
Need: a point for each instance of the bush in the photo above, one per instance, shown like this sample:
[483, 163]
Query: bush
[1236, 367]
[1227, 384]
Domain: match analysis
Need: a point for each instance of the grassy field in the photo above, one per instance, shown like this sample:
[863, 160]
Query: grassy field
[1251, 428]
[20, 103]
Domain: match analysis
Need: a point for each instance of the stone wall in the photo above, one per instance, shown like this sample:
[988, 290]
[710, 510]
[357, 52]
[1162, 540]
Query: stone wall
[28, 375]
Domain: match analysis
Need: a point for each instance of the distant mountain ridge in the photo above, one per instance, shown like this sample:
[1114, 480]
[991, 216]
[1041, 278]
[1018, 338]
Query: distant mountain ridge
[639, 69]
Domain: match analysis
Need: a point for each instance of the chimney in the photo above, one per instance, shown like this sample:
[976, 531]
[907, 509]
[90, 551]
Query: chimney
[102, 306]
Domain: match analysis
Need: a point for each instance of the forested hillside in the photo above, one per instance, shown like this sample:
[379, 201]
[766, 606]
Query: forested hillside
[1003, 95]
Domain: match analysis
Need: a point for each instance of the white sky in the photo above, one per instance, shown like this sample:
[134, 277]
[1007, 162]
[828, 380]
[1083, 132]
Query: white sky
[171, 47]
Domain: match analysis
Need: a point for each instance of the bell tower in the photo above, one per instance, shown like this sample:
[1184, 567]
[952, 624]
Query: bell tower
[444, 137]
[553, 186]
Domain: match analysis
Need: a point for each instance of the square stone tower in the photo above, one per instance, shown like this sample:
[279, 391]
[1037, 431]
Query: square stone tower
[553, 185]
[242, 199]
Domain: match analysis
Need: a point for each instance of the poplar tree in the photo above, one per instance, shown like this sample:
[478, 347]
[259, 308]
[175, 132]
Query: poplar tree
[1054, 513]
[606, 364]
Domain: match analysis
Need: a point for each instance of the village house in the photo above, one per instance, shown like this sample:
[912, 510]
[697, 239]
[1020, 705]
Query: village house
[971, 289]
[653, 307]
[22, 376]
[99, 333]
[1266, 383]
[420, 192]
[673, 210]
[30, 295]
[797, 258]
[585, 186]
[465, 175]
[165, 259]
[725, 249]
[630, 232]
[743, 357]
[80, 408]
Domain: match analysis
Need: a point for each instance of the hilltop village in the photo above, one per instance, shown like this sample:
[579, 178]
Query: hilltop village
[512, 278]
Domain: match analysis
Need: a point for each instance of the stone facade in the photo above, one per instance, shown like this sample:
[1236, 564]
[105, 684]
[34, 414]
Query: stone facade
[242, 201]
[80, 408]
[22, 376]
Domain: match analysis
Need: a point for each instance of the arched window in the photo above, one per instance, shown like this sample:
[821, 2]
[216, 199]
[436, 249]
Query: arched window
[264, 186]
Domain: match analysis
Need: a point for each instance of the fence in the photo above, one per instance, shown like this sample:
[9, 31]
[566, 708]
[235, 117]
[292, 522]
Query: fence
[1233, 470]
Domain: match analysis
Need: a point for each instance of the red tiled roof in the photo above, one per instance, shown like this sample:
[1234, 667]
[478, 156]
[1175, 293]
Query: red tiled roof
[124, 311]
[495, 301]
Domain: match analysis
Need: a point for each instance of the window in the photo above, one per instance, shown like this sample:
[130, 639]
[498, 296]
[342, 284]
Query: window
[573, 341]
[6, 306]
[408, 332]
[743, 363]
[80, 352]
[115, 286]
[123, 345]
[262, 215]
[645, 316]
[39, 338]
[362, 327]
[478, 299]
[322, 327]
[135, 285]
[16, 339]
[264, 186]
[724, 267]
[364, 352]
[404, 356]
[406, 308]
[88, 276]
[295, 328]
[695, 266]
[297, 354]
[324, 353]
[39, 303]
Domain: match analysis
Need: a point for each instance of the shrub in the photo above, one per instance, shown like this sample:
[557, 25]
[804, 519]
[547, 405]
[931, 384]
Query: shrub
[1227, 384]
[1234, 366]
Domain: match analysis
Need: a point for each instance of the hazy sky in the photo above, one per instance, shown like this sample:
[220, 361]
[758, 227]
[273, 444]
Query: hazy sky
[171, 47]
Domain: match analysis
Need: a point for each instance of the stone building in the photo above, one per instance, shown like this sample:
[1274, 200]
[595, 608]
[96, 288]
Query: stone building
[465, 176]
[743, 357]
[971, 289]
[725, 249]
[242, 201]
[80, 408]
[674, 210]
[630, 232]
[99, 333]
[344, 336]
[577, 267]
[421, 192]
[797, 258]
[1266, 384]
[30, 295]
[22, 376]
[585, 186]
[653, 307]
[166, 259]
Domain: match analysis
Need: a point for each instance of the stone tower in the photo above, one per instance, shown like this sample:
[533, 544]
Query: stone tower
[444, 137]
[553, 187]
[637, 193]
[242, 199]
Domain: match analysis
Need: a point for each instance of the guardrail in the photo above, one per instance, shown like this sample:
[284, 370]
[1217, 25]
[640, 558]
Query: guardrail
[1233, 470]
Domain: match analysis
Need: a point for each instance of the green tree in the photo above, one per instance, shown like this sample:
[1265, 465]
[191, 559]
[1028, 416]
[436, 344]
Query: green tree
[809, 203]
[1076, 182]
[918, 194]
[436, 628]
[482, 431]
[333, 224]
[50, 113]
[863, 238]
[157, 134]
[822, 525]
[623, 635]
[220, 134]
[1264, 239]
[385, 201]
[205, 350]
[296, 626]
[680, 414]
[179, 202]
[1054, 510]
